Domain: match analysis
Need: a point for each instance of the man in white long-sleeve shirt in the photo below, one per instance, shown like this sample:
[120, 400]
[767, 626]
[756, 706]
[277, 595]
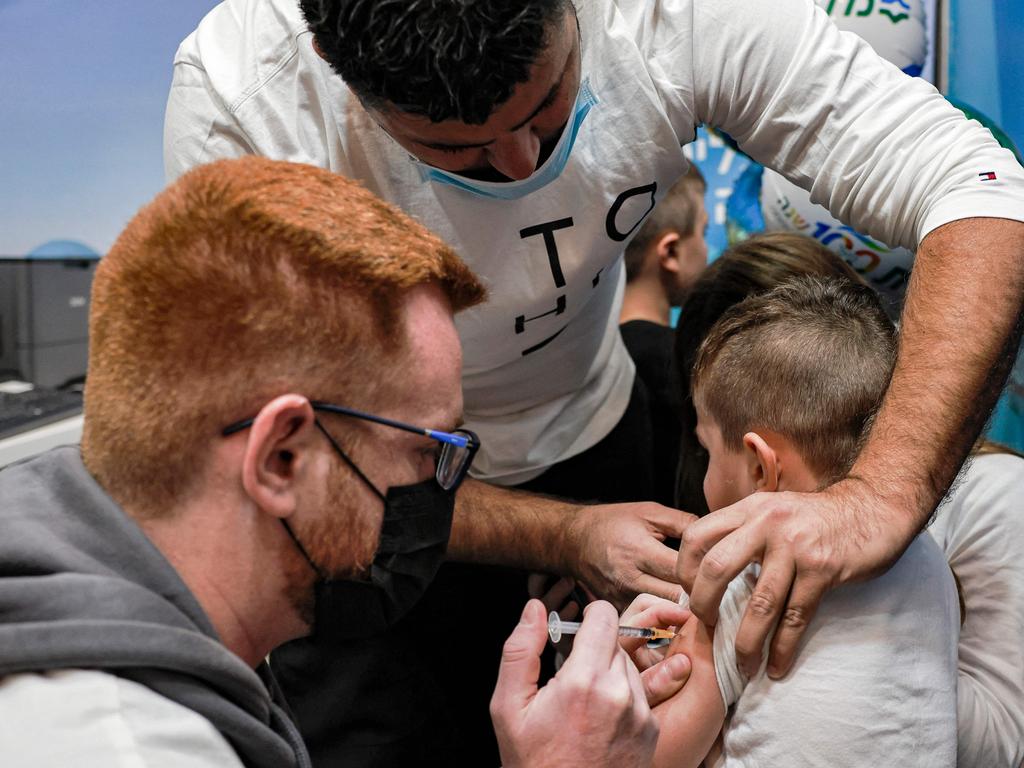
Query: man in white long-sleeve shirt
[535, 137]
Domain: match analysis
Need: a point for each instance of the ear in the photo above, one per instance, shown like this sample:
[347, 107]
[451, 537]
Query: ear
[763, 464]
[667, 251]
[279, 455]
[317, 49]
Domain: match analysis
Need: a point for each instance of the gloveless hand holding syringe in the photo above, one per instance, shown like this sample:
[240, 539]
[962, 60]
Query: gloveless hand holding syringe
[557, 628]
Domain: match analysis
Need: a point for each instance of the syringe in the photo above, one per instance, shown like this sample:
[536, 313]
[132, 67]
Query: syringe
[557, 628]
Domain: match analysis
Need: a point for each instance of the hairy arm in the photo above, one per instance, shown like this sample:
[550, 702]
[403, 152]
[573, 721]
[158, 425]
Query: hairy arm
[960, 329]
[691, 720]
[888, 155]
[617, 550]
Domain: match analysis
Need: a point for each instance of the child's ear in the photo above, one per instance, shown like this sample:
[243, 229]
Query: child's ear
[763, 463]
[667, 251]
[318, 50]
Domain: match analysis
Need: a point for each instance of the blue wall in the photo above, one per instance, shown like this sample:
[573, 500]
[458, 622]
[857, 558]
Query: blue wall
[986, 60]
[986, 69]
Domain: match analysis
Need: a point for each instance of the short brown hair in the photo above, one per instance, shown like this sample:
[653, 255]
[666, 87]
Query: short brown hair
[677, 212]
[243, 280]
[747, 268]
[810, 360]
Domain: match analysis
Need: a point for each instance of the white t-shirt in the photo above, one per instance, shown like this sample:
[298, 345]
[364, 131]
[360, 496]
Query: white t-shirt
[874, 681]
[981, 529]
[90, 719]
[546, 374]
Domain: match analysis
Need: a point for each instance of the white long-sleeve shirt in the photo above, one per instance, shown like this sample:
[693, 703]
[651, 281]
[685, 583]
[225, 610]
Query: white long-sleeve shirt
[981, 529]
[546, 374]
[92, 719]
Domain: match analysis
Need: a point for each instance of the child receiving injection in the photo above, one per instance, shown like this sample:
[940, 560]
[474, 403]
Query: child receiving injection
[785, 386]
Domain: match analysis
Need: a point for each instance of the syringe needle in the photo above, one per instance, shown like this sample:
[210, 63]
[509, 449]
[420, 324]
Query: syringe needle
[557, 628]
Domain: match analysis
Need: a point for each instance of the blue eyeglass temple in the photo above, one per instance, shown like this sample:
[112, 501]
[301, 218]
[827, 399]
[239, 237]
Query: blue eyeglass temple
[458, 441]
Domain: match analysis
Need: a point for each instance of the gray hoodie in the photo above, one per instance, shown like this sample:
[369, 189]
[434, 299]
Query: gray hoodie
[81, 587]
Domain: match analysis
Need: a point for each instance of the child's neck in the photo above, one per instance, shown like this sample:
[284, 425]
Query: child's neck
[796, 474]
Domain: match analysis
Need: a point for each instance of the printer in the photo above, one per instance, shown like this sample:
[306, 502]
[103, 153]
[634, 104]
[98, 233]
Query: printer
[44, 313]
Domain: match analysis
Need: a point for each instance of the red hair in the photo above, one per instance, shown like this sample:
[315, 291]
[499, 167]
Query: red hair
[243, 280]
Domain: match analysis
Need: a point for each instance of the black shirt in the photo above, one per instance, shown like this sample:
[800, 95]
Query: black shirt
[650, 346]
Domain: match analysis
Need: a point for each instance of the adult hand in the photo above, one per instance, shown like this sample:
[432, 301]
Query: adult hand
[592, 713]
[620, 550]
[615, 551]
[557, 597]
[556, 594]
[807, 543]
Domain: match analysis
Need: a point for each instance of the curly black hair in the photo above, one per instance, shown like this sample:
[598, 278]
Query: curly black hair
[444, 59]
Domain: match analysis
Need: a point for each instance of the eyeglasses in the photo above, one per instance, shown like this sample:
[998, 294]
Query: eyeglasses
[457, 448]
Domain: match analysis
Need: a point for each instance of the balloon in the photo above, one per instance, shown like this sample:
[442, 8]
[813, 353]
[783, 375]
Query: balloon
[896, 29]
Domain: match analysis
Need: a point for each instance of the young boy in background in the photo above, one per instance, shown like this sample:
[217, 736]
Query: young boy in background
[785, 387]
[662, 262]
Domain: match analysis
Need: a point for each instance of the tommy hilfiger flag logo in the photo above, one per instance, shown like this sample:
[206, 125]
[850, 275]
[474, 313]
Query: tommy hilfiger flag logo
[987, 176]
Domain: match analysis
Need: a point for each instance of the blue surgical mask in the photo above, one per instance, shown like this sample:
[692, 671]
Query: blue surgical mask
[551, 170]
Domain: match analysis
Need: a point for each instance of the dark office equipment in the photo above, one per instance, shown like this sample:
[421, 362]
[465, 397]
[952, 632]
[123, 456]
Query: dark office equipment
[44, 314]
[36, 408]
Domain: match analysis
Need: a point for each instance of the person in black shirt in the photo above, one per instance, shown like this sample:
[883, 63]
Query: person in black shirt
[662, 263]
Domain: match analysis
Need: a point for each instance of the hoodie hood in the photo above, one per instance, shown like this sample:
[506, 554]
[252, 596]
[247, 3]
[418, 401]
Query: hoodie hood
[82, 587]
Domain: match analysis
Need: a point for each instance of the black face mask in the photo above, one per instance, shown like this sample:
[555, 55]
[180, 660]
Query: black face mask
[413, 538]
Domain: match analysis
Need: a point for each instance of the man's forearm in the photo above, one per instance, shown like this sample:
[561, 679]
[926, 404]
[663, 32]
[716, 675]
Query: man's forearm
[960, 328]
[501, 526]
[616, 550]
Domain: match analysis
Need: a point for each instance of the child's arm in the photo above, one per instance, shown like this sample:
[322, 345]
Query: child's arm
[691, 720]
